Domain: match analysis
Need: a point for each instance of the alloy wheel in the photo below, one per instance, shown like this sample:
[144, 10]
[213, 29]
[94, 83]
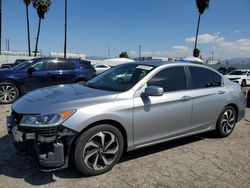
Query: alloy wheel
[228, 121]
[100, 151]
[8, 93]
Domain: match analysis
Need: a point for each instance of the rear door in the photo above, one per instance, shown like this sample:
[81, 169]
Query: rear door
[163, 117]
[208, 95]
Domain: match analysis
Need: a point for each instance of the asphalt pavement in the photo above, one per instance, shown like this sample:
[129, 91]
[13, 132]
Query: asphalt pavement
[197, 161]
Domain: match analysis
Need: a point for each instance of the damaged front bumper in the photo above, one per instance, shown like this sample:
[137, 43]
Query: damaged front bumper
[51, 144]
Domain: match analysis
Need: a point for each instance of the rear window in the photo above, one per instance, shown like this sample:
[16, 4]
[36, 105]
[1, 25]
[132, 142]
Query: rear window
[65, 65]
[86, 64]
[204, 78]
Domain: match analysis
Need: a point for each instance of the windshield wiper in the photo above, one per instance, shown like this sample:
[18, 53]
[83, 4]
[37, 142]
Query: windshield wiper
[92, 86]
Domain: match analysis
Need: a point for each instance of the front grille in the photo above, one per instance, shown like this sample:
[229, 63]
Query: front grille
[47, 131]
[16, 117]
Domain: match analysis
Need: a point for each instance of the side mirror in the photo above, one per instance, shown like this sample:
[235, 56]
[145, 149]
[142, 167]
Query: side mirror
[153, 91]
[30, 70]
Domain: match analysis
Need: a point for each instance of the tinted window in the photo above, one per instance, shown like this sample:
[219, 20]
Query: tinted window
[239, 72]
[201, 77]
[170, 79]
[50, 65]
[217, 79]
[39, 66]
[65, 65]
[86, 64]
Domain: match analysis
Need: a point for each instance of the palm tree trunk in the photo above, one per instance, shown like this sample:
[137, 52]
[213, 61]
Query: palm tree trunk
[0, 27]
[65, 29]
[28, 28]
[197, 32]
[38, 33]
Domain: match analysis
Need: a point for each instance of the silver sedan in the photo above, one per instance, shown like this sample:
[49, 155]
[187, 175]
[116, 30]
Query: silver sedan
[150, 103]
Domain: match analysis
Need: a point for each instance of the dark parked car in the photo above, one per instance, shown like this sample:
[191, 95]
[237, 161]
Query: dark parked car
[42, 72]
[11, 65]
[224, 70]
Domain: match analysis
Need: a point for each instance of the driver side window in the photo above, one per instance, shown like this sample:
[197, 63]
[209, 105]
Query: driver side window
[39, 66]
[170, 79]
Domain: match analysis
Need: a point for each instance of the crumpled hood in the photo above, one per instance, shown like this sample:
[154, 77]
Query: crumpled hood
[60, 98]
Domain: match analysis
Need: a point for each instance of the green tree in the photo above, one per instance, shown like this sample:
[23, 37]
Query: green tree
[27, 3]
[202, 5]
[124, 54]
[42, 7]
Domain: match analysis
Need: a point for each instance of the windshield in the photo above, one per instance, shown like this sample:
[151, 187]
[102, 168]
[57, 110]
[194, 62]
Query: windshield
[22, 65]
[238, 72]
[120, 78]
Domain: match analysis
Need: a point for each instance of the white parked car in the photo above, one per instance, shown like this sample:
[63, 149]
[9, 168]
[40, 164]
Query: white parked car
[101, 68]
[241, 76]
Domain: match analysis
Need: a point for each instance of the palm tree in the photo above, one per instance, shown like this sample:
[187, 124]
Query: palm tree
[65, 28]
[202, 5]
[42, 6]
[27, 3]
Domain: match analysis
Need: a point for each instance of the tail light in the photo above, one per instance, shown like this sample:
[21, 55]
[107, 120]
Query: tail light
[244, 91]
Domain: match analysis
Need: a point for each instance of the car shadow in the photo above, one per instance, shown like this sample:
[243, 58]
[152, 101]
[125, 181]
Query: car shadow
[24, 166]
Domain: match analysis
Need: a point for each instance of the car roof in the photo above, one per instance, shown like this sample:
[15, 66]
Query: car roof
[241, 70]
[160, 63]
[55, 58]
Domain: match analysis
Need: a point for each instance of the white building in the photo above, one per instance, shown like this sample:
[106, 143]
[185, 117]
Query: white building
[69, 55]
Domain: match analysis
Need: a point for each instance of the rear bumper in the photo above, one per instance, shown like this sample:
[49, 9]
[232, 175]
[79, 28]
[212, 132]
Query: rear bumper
[52, 145]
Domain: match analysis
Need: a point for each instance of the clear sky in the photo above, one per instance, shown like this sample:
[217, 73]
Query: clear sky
[161, 27]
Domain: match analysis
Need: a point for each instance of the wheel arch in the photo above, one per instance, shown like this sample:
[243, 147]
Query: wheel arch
[235, 108]
[10, 81]
[114, 123]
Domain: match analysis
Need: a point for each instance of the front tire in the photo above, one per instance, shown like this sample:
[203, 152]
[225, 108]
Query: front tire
[98, 149]
[8, 93]
[226, 122]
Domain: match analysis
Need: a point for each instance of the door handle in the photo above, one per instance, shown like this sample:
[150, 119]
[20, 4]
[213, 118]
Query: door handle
[221, 92]
[185, 98]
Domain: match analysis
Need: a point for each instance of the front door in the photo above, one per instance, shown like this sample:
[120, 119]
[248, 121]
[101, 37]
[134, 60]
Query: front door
[162, 117]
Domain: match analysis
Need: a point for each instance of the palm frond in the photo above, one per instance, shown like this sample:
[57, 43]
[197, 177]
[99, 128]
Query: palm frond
[27, 2]
[202, 5]
[42, 6]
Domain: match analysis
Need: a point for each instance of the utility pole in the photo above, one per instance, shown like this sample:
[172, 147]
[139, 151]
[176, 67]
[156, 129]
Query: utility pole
[109, 52]
[139, 52]
[0, 27]
[65, 28]
[212, 56]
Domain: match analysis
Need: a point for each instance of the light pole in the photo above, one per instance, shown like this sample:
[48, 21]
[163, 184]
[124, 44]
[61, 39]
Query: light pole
[65, 27]
[109, 52]
[139, 52]
[0, 27]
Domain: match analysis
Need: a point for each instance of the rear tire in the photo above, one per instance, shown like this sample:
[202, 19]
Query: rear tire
[98, 149]
[8, 93]
[226, 122]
